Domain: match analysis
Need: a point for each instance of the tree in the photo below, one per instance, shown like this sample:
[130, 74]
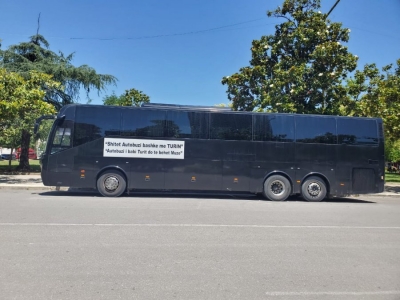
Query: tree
[131, 97]
[36, 56]
[392, 150]
[41, 136]
[21, 102]
[10, 137]
[113, 99]
[229, 105]
[298, 69]
[377, 94]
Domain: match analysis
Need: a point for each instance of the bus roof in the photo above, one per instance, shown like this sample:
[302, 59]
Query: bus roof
[198, 108]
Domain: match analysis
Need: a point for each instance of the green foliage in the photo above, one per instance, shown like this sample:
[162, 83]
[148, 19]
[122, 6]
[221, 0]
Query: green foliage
[299, 69]
[392, 150]
[22, 99]
[42, 135]
[113, 100]
[131, 97]
[36, 56]
[224, 105]
[21, 102]
[44, 130]
[375, 94]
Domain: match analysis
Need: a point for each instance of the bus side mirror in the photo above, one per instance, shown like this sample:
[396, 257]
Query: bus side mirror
[38, 120]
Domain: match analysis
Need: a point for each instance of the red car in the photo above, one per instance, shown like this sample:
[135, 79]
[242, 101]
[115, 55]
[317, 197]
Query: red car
[31, 155]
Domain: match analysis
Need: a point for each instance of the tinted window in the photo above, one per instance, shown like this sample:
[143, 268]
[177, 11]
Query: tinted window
[182, 124]
[143, 123]
[62, 137]
[231, 126]
[92, 123]
[273, 128]
[357, 131]
[312, 129]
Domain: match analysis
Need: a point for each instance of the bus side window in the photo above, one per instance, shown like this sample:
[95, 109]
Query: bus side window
[95, 123]
[314, 129]
[278, 128]
[357, 131]
[62, 138]
[66, 137]
[183, 124]
[143, 123]
[225, 126]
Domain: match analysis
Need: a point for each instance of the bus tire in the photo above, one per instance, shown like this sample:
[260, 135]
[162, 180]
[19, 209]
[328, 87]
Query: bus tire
[277, 188]
[313, 189]
[111, 183]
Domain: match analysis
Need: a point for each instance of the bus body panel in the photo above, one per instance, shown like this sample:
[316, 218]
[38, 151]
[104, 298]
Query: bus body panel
[272, 157]
[351, 162]
[312, 159]
[200, 170]
[212, 164]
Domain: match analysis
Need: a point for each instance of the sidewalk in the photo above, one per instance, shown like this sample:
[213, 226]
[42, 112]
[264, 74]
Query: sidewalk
[25, 182]
[34, 182]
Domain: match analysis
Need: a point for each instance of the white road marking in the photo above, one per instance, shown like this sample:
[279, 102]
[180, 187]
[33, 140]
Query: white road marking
[332, 293]
[200, 225]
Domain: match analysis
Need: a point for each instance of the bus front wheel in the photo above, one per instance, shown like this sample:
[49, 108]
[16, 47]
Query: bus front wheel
[313, 189]
[111, 184]
[277, 188]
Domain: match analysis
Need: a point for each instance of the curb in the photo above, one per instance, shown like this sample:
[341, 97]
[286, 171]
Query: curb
[32, 187]
[375, 195]
[68, 189]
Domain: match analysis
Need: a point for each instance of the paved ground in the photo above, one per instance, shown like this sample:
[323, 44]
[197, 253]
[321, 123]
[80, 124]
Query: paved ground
[25, 182]
[34, 182]
[55, 245]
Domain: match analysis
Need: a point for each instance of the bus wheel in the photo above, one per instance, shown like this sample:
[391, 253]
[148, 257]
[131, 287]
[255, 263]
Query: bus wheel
[277, 188]
[111, 184]
[313, 189]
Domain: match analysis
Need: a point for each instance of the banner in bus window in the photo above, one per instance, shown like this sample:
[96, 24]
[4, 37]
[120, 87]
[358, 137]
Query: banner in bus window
[114, 147]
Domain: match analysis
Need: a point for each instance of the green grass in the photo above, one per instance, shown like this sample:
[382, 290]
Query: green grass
[4, 168]
[392, 177]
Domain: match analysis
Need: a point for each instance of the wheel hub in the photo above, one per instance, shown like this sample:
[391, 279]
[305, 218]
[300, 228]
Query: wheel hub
[314, 189]
[111, 183]
[277, 187]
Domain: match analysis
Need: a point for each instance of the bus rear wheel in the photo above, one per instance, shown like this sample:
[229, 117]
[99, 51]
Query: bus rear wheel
[111, 184]
[277, 188]
[313, 189]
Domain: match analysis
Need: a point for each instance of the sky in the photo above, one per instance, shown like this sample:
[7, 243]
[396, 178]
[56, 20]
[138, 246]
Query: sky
[177, 51]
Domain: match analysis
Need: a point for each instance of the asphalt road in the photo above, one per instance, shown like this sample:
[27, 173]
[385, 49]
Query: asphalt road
[82, 246]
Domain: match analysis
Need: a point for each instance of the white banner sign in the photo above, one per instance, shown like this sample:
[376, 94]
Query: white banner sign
[144, 148]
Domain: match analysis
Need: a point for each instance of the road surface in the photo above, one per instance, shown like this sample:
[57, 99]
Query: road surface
[60, 245]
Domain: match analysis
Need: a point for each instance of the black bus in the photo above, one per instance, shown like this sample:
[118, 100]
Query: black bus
[188, 148]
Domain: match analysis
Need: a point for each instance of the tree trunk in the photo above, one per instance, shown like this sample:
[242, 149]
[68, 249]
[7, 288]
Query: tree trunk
[23, 158]
[10, 159]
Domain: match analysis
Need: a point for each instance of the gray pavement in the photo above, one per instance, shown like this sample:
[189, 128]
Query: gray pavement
[34, 182]
[23, 182]
[54, 246]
